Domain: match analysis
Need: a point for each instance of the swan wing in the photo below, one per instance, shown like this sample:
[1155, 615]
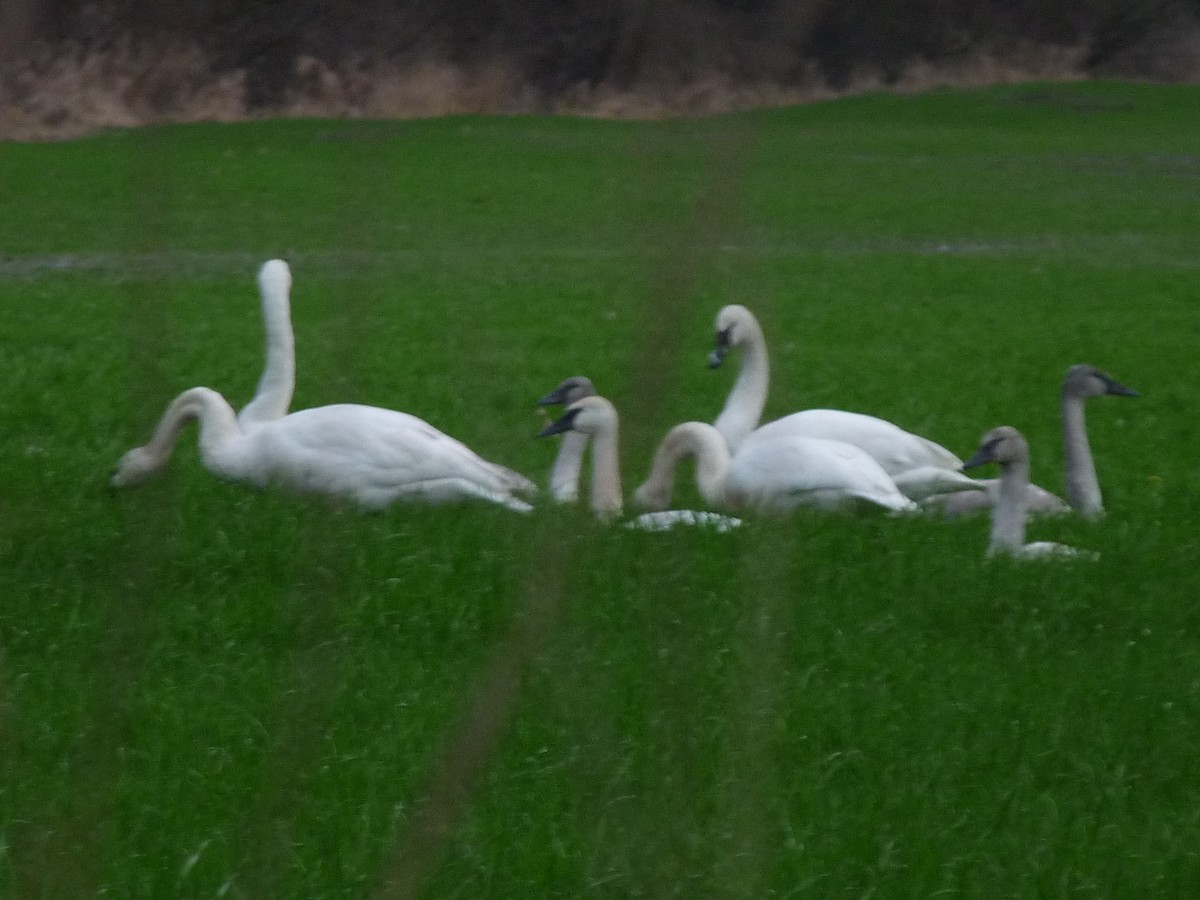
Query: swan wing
[895, 449]
[377, 456]
[789, 470]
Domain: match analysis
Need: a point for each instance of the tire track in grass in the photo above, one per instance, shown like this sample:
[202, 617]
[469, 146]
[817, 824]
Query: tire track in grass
[684, 253]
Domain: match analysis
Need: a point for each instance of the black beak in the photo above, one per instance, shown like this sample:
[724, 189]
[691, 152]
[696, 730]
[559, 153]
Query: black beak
[563, 423]
[1119, 390]
[554, 398]
[722, 349]
[981, 457]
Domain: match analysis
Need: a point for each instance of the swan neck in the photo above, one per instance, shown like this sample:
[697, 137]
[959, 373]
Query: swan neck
[564, 474]
[218, 425]
[744, 406]
[606, 474]
[1008, 515]
[1083, 487]
[277, 384]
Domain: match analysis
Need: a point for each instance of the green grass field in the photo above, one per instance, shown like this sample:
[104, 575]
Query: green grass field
[211, 692]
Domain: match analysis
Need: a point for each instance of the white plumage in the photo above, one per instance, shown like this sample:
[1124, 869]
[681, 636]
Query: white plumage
[366, 454]
[919, 467]
[773, 475]
[597, 420]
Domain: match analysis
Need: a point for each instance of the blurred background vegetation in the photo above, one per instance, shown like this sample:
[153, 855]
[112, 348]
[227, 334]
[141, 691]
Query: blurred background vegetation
[70, 65]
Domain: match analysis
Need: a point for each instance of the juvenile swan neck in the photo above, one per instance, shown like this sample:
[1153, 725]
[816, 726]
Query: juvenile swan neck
[606, 473]
[1083, 487]
[744, 406]
[564, 474]
[1008, 515]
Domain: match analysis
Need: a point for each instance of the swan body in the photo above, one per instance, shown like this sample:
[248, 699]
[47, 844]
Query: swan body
[774, 475]
[596, 419]
[918, 466]
[365, 454]
[1083, 487]
[278, 381]
[568, 464]
[1008, 447]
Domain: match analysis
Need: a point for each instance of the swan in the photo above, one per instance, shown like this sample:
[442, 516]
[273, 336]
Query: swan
[595, 418]
[564, 474]
[770, 475]
[1083, 487]
[1008, 447]
[273, 396]
[365, 454]
[919, 467]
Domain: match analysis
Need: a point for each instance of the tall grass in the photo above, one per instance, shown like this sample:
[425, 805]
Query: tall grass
[210, 691]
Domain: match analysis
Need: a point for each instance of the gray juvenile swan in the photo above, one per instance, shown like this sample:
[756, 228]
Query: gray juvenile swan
[277, 383]
[1083, 487]
[596, 419]
[919, 467]
[564, 474]
[366, 454]
[1008, 447]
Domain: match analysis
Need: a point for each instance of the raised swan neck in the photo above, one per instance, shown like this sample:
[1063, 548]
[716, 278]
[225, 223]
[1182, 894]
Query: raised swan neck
[1083, 487]
[744, 407]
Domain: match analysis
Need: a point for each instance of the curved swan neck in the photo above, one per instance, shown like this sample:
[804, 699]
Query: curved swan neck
[744, 406]
[564, 474]
[705, 443]
[273, 396]
[1008, 515]
[1083, 487]
[606, 473]
[218, 424]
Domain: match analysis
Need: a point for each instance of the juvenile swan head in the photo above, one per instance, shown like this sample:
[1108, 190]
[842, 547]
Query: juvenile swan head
[1088, 381]
[590, 415]
[574, 388]
[1001, 445]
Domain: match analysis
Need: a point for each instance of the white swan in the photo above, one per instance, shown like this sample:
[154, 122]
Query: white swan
[918, 466]
[596, 419]
[564, 474]
[278, 381]
[1008, 447]
[366, 454]
[1083, 487]
[771, 475]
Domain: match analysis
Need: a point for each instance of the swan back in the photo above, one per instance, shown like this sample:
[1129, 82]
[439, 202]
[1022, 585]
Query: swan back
[782, 473]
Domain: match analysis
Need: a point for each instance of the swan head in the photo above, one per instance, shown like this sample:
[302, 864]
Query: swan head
[735, 324]
[574, 388]
[1088, 381]
[653, 497]
[134, 467]
[274, 275]
[590, 415]
[1001, 445]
